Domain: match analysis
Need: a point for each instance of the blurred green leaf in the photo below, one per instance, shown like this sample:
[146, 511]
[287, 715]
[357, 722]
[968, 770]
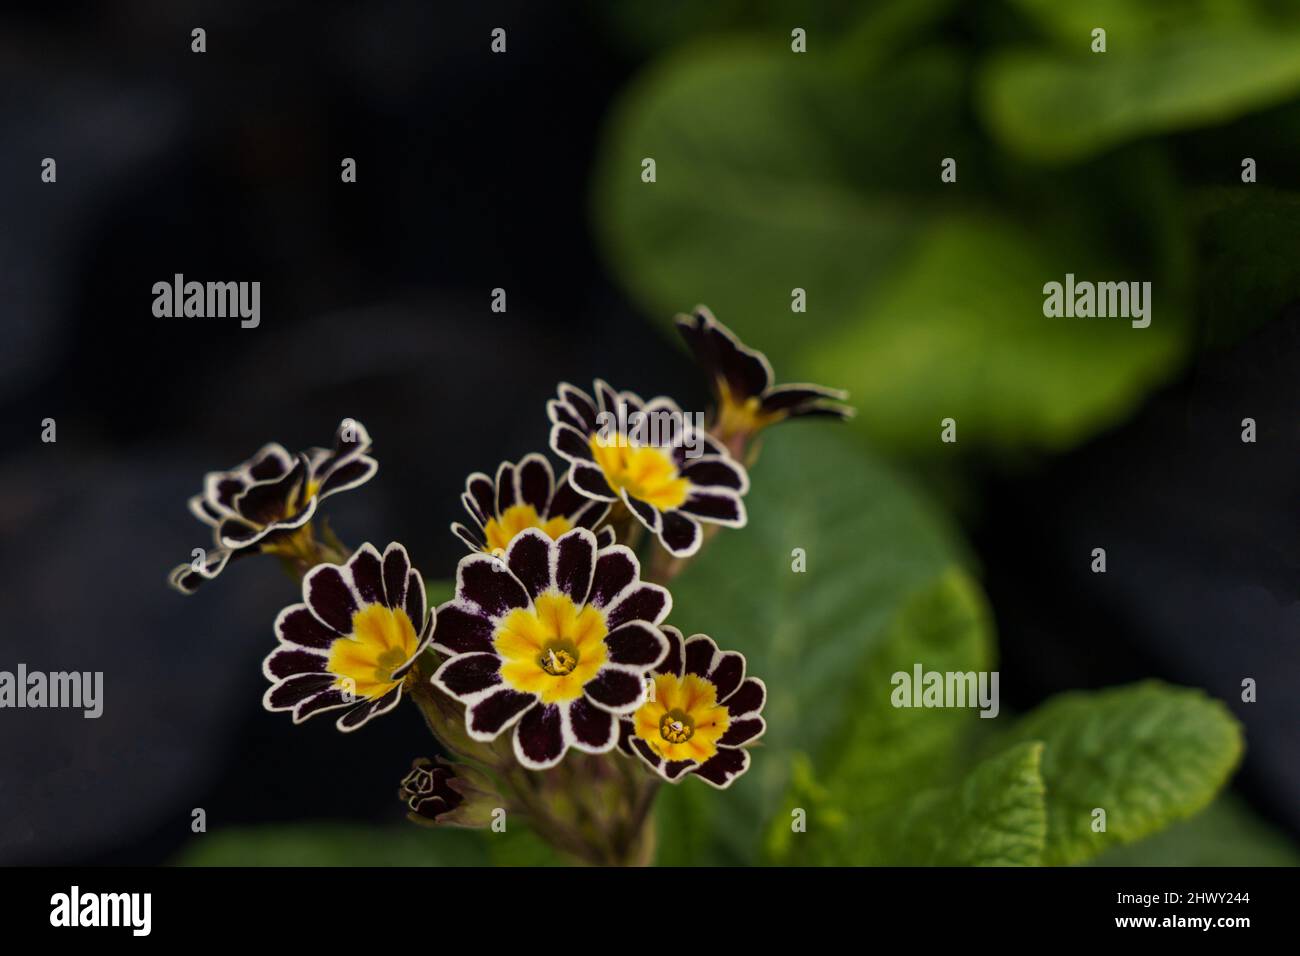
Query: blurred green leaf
[1071, 24]
[959, 332]
[1148, 754]
[882, 756]
[1225, 834]
[339, 844]
[883, 589]
[879, 25]
[1058, 107]
[924, 299]
[997, 816]
[439, 591]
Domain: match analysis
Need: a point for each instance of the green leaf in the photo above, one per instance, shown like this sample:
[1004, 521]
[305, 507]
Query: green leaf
[1225, 834]
[1130, 21]
[1055, 107]
[959, 332]
[1147, 754]
[883, 589]
[997, 816]
[439, 591]
[340, 844]
[775, 173]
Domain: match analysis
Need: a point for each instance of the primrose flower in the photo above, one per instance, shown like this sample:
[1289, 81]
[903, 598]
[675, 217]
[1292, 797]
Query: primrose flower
[265, 503]
[665, 469]
[553, 639]
[525, 495]
[742, 379]
[353, 641]
[703, 711]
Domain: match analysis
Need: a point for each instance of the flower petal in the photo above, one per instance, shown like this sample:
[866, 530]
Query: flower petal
[718, 507]
[330, 597]
[743, 732]
[680, 534]
[292, 691]
[506, 490]
[359, 715]
[637, 643]
[645, 512]
[462, 630]
[540, 741]
[674, 660]
[289, 661]
[616, 569]
[591, 728]
[347, 475]
[641, 602]
[570, 443]
[297, 625]
[723, 767]
[575, 561]
[716, 473]
[496, 712]
[589, 480]
[580, 402]
[397, 572]
[529, 560]
[748, 699]
[468, 674]
[536, 481]
[616, 689]
[482, 491]
[367, 570]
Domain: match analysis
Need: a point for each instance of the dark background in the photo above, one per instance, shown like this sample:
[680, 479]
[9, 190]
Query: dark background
[473, 173]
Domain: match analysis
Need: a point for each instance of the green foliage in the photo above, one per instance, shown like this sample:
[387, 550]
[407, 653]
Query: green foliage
[338, 844]
[925, 300]
[996, 816]
[1225, 834]
[1148, 755]
[778, 171]
[883, 589]
[1055, 107]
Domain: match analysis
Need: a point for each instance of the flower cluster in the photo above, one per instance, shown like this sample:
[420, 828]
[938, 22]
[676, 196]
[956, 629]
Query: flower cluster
[555, 640]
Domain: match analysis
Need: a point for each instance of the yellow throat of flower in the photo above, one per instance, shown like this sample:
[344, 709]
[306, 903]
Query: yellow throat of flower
[382, 640]
[740, 416]
[501, 531]
[683, 720]
[645, 471]
[553, 649]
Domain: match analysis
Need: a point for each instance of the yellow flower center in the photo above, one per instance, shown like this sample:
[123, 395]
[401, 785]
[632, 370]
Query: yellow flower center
[683, 720]
[645, 471]
[382, 640]
[501, 531]
[553, 649]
